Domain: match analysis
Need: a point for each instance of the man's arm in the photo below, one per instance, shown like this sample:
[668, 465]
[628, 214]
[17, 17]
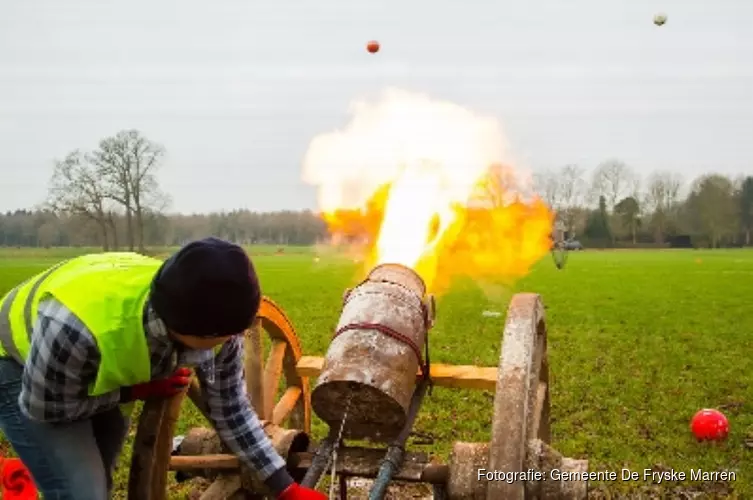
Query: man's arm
[62, 363]
[235, 421]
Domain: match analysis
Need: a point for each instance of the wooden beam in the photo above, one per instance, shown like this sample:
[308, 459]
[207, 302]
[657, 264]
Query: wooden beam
[455, 376]
[358, 462]
[195, 462]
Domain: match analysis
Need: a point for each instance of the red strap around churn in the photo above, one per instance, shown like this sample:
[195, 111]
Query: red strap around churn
[424, 364]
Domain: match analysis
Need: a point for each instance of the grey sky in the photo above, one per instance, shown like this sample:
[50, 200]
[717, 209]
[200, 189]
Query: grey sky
[235, 90]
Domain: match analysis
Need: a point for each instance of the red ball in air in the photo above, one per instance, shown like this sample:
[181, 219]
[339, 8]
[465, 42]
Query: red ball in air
[373, 46]
[709, 425]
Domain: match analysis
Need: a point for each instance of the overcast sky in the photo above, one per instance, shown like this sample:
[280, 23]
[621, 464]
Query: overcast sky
[236, 89]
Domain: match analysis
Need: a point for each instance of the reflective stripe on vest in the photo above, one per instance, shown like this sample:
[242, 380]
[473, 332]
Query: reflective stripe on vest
[6, 335]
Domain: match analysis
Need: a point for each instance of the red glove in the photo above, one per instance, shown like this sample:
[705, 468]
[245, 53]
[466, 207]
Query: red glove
[297, 492]
[17, 482]
[164, 388]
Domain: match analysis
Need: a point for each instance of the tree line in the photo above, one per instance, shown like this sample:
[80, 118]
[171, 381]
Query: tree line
[614, 206]
[110, 197]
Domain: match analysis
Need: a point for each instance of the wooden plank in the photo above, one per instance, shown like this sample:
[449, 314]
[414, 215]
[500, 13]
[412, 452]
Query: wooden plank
[285, 406]
[196, 462]
[455, 376]
[351, 461]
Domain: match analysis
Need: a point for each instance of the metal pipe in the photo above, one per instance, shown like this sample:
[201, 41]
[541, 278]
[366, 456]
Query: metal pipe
[319, 462]
[393, 460]
[343, 487]
[439, 491]
[390, 464]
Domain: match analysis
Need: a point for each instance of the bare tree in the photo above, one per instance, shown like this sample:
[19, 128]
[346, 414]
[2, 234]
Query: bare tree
[636, 192]
[77, 188]
[129, 162]
[573, 190]
[612, 179]
[498, 187]
[636, 183]
[661, 199]
[663, 190]
[547, 185]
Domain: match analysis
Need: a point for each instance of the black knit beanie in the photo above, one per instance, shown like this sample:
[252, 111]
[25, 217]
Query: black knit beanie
[208, 288]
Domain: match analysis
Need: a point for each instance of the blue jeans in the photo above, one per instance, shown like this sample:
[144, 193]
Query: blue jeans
[68, 461]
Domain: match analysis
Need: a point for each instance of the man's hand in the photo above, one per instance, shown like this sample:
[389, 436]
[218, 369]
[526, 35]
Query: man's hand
[164, 388]
[297, 492]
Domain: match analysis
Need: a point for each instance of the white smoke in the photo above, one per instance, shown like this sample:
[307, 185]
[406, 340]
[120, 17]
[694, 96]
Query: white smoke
[402, 129]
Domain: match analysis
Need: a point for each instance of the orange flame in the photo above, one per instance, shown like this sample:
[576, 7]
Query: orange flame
[426, 184]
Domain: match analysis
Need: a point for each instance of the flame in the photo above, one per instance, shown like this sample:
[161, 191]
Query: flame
[426, 184]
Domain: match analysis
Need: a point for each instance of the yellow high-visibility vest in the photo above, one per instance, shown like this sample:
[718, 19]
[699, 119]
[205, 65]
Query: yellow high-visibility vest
[107, 292]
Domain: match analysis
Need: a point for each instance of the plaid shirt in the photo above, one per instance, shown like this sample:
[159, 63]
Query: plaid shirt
[63, 363]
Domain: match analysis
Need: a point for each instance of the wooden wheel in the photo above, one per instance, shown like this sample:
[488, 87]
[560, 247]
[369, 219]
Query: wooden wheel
[521, 402]
[276, 391]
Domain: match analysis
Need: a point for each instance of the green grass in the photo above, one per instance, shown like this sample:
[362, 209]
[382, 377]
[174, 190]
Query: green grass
[638, 342]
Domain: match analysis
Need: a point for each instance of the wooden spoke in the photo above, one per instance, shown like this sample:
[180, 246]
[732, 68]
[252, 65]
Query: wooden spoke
[285, 406]
[254, 374]
[152, 448]
[142, 459]
[272, 374]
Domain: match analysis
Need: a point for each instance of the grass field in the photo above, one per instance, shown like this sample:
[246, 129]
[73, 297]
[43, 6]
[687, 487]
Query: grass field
[638, 342]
